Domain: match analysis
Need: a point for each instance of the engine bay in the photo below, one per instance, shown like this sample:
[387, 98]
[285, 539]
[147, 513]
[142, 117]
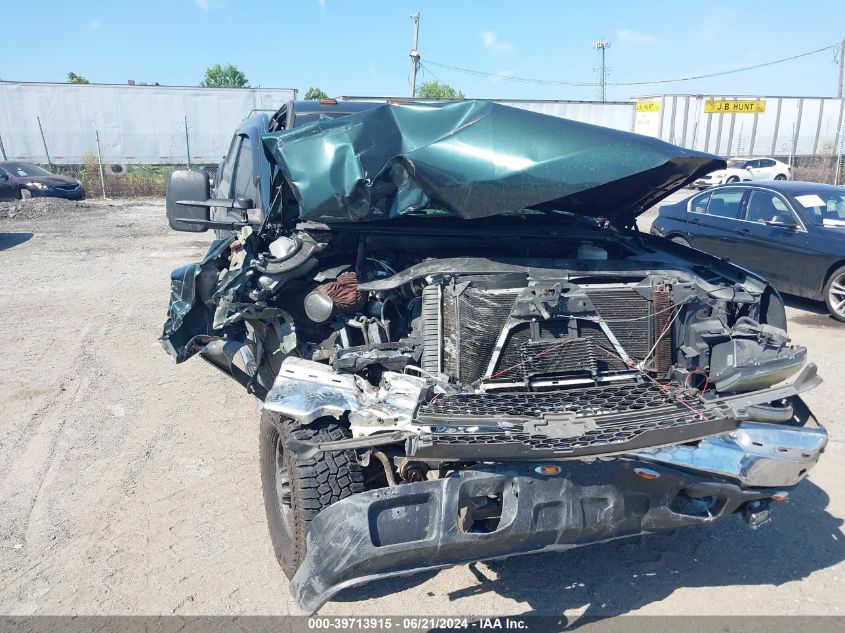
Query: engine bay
[607, 344]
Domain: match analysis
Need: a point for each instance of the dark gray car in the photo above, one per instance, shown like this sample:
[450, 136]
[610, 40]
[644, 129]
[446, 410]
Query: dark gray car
[791, 233]
[20, 180]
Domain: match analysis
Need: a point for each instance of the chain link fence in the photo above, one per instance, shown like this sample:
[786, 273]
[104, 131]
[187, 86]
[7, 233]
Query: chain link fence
[116, 180]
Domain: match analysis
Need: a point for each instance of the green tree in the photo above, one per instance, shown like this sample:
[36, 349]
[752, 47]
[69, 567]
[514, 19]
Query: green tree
[73, 78]
[437, 90]
[315, 94]
[228, 76]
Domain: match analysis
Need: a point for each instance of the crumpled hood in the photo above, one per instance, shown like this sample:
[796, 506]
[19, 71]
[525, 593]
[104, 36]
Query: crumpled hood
[474, 159]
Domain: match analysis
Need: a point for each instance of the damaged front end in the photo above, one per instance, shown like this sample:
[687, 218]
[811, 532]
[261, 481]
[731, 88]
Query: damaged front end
[509, 379]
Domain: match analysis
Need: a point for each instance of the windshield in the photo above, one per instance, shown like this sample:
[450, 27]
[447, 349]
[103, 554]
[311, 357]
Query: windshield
[737, 164]
[25, 169]
[824, 207]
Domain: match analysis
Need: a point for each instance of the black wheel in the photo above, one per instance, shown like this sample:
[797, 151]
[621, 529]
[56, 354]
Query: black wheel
[732, 179]
[780, 177]
[296, 489]
[834, 294]
[24, 194]
[680, 240]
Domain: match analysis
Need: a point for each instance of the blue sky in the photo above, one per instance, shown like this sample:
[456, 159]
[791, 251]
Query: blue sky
[361, 47]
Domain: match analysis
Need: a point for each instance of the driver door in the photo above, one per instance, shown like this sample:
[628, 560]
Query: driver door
[777, 253]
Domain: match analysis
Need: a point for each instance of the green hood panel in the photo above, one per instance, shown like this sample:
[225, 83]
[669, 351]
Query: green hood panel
[474, 159]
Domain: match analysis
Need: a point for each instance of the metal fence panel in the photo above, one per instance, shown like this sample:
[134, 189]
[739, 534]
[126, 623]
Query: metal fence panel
[137, 124]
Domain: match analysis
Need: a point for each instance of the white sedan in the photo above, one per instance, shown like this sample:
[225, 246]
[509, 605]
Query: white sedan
[744, 169]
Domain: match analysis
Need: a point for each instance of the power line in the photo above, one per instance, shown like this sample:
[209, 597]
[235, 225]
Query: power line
[551, 82]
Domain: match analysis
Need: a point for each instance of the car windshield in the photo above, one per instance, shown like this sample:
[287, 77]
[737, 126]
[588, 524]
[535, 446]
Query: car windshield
[823, 207]
[25, 169]
[737, 164]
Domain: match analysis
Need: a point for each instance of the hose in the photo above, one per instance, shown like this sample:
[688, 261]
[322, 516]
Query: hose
[388, 471]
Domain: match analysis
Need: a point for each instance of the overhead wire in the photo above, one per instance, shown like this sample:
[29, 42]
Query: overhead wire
[555, 82]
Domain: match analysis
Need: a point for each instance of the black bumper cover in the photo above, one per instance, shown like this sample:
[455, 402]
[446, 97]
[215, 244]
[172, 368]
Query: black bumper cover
[415, 527]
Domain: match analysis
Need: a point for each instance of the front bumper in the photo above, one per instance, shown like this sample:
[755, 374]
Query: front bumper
[75, 194]
[428, 525]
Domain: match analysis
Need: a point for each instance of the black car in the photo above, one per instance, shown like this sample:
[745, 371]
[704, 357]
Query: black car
[464, 350]
[19, 181]
[792, 233]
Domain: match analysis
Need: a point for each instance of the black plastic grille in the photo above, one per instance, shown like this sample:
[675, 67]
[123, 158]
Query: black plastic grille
[622, 413]
[590, 401]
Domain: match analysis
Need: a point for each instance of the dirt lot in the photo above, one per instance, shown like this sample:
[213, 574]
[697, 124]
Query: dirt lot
[129, 485]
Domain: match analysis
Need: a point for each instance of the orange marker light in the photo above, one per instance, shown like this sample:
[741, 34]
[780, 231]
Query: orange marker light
[547, 469]
[780, 496]
[328, 101]
[647, 473]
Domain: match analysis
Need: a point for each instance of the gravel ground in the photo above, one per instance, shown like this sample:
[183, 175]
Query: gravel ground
[129, 485]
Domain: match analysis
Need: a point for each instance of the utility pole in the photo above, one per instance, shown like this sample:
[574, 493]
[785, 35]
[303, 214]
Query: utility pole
[415, 54]
[602, 46]
[841, 68]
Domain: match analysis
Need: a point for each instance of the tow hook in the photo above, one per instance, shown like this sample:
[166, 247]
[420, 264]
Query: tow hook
[757, 513]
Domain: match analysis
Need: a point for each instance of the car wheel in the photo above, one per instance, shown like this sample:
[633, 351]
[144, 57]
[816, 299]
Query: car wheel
[780, 177]
[731, 180]
[680, 240]
[297, 488]
[834, 294]
[24, 194]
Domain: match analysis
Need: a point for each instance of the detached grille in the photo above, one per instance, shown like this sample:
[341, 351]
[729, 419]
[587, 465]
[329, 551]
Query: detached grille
[621, 417]
[591, 401]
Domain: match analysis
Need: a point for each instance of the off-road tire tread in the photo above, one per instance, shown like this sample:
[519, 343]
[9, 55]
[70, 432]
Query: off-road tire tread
[315, 483]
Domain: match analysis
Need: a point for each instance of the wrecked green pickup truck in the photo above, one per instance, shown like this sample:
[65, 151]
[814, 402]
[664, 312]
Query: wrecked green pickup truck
[465, 350]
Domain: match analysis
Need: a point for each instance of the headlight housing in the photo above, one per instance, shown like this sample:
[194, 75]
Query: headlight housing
[38, 185]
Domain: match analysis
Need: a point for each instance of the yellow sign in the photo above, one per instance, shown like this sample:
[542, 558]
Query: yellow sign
[648, 106]
[728, 106]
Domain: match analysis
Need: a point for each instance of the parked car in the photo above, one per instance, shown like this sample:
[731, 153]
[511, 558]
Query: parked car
[745, 169]
[463, 350]
[19, 181]
[791, 233]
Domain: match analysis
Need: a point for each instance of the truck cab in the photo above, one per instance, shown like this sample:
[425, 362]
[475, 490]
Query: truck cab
[245, 176]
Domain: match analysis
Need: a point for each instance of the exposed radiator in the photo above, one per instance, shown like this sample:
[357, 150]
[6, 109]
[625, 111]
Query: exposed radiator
[471, 322]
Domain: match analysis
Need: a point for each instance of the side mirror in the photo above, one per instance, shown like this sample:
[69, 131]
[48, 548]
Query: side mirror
[187, 184]
[783, 221]
[749, 167]
[4, 177]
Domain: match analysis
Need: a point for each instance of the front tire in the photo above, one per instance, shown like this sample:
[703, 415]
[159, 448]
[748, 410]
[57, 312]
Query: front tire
[834, 294]
[780, 177]
[296, 489]
[731, 180]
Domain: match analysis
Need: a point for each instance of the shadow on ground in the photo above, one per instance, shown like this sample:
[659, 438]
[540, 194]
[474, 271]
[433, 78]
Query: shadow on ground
[10, 240]
[818, 314]
[616, 578]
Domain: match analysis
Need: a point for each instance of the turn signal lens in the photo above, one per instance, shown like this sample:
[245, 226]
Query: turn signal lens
[547, 469]
[780, 496]
[647, 473]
